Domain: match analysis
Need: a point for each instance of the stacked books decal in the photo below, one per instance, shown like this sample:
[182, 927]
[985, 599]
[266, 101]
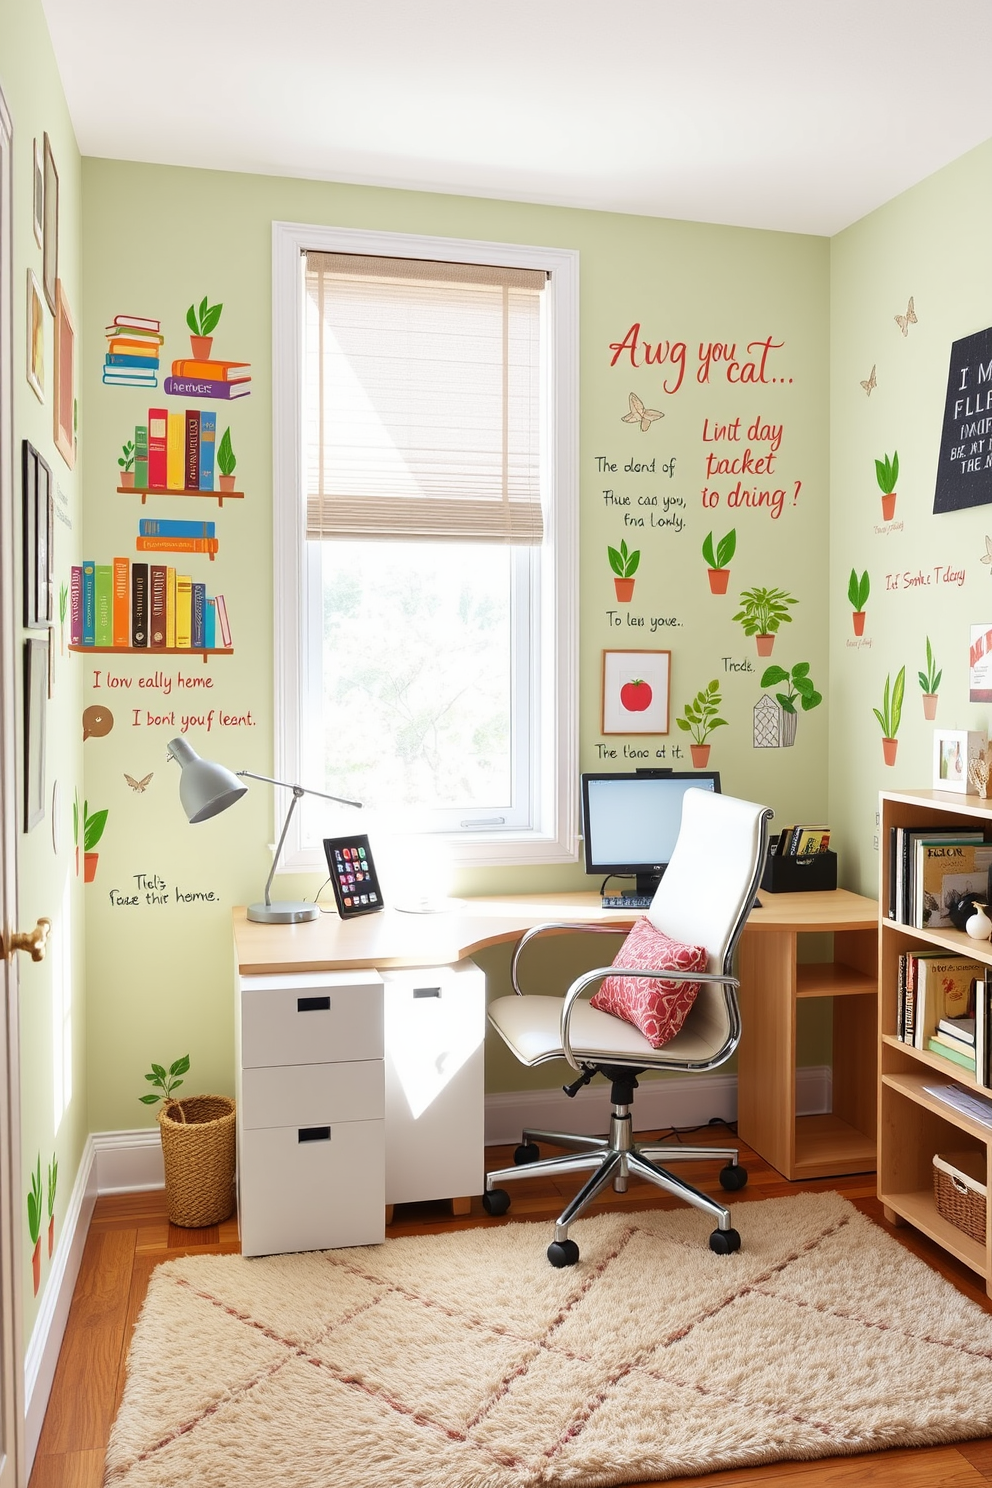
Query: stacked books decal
[133, 343]
[124, 606]
[179, 453]
[157, 535]
[198, 379]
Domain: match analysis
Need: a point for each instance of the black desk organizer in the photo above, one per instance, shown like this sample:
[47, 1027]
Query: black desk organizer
[790, 874]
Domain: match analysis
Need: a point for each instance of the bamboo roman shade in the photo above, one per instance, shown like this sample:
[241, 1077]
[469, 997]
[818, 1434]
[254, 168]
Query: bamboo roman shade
[422, 400]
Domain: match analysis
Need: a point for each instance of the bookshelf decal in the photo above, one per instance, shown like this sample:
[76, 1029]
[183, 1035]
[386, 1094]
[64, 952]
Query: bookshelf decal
[127, 606]
[179, 454]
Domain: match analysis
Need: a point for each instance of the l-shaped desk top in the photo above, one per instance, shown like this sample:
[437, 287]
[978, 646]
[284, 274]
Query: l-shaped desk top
[392, 938]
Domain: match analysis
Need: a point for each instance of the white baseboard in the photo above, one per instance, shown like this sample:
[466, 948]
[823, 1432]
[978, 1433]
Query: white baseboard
[129, 1161]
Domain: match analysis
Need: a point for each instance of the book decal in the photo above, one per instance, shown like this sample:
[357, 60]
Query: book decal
[179, 454]
[132, 355]
[147, 605]
[200, 375]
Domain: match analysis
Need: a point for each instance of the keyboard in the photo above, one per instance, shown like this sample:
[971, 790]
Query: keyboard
[627, 901]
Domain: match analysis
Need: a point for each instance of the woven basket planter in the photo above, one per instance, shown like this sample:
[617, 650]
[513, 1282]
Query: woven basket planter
[198, 1148]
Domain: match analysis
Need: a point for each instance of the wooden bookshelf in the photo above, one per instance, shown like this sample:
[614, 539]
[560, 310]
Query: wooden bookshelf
[153, 651]
[145, 491]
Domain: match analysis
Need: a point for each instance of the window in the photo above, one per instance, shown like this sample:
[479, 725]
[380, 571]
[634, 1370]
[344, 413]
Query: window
[425, 530]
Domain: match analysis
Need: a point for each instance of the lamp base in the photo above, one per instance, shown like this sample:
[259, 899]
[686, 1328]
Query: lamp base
[285, 912]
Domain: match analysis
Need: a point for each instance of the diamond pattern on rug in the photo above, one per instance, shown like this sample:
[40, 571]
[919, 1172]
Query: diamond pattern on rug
[466, 1361]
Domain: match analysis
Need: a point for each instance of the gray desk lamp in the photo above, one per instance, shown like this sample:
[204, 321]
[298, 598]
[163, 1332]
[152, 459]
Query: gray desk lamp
[206, 788]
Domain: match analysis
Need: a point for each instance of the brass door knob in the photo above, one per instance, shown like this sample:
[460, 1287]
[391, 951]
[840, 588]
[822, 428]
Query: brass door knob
[35, 941]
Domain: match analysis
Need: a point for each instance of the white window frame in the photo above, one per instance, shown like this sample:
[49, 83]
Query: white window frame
[554, 836]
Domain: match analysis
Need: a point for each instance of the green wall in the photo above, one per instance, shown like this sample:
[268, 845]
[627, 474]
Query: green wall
[157, 239]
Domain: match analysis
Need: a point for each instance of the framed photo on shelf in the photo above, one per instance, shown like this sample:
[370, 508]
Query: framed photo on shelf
[37, 508]
[953, 751]
[36, 339]
[64, 399]
[50, 227]
[38, 197]
[636, 692]
[35, 698]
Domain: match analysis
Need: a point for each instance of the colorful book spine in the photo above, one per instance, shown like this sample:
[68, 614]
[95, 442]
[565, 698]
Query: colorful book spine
[103, 591]
[223, 624]
[141, 456]
[130, 377]
[170, 607]
[178, 545]
[199, 597]
[89, 603]
[122, 602]
[213, 371]
[205, 387]
[139, 604]
[121, 359]
[76, 605]
[210, 623]
[157, 626]
[192, 482]
[130, 346]
[158, 470]
[208, 439]
[169, 527]
[175, 466]
[184, 611]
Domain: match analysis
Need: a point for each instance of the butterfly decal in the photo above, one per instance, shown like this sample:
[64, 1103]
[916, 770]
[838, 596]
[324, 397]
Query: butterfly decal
[870, 381]
[988, 549]
[138, 785]
[905, 321]
[640, 415]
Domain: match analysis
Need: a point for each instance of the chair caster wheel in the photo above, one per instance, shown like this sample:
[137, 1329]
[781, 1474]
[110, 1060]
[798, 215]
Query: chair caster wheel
[725, 1242]
[563, 1253]
[496, 1201]
[527, 1152]
[733, 1176]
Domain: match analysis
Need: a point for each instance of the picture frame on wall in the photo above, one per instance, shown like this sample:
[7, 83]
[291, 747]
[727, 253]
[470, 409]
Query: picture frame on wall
[38, 197]
[38, 513]
[64, 393]
[50, 227]
[636, 687]
[36, 339]
[953, 751]
[35, 699]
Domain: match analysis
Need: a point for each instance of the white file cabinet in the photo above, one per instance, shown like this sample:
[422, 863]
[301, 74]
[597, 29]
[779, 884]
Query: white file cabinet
[311, 1102]
[435, 1024]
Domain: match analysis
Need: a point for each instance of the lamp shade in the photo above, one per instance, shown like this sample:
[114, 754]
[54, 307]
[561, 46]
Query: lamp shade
[205, 788]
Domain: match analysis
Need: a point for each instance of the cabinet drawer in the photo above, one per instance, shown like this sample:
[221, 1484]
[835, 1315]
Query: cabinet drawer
[314, 1194]
[310, 1019]
[312, 1094]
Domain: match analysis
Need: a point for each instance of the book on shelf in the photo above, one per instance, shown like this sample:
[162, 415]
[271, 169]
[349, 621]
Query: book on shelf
[223, 625]
[184, 611]
[944, 989]
[199, 600]
[178, 527]
[157, 582]
[208, 440]
[89, 603]
[141, 456]
[122, 602]
[76, 605]
[192, 481]
[139, 605]
[946, 870]
[103, 599]
[210, 623]
[957, 1056]
[175, 453]
[801, 841]
[158, 428]
[212, 371]
[205, 387]
[170, 606]
[177, 545]
[135, 606]
[902, 849]
[962, 1029]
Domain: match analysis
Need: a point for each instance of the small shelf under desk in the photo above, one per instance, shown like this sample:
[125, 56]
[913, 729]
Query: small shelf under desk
[773, 984]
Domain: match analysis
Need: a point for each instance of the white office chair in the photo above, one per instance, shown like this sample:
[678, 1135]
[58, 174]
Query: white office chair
[704, 898]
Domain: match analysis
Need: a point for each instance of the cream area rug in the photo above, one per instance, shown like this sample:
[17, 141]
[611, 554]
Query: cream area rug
[466, 1361]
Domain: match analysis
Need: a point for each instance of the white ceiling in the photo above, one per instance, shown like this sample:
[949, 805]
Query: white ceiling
[785, 114]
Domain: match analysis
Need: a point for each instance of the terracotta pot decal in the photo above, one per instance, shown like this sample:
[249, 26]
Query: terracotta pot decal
[700, 755]
[227, 484]
[765, 643]
[888, 506]
[719, 579]
[859, 622]
[930, 705]
[90, 861]
[624, 587]
[889, 750]
[127, 479]
[201, 346]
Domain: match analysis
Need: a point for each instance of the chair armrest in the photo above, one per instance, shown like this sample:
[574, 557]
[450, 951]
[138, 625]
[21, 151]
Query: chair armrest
[556, 926]
[729, 983]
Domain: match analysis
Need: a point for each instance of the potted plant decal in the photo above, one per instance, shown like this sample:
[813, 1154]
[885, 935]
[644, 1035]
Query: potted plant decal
[93, 826]
[197, 1148]
[762, 612]
[857, 592]
[227, 464]
[887, 473]
[53, 1183]
[126, 461]
[799, 687]
[701, 718]
[202, 321]
[891, 713]
[717, 560]
[930, 681]
[34, 1224]
[623, 564]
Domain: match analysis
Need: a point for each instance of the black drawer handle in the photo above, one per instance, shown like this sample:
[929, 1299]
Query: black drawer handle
[427, 992]
[313, 1004]
[313, 1134]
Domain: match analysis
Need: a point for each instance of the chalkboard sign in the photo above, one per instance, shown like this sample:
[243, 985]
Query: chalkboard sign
[964, 470]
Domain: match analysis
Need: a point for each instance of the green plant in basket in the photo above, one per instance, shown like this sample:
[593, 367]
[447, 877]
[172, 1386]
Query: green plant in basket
[167, 1080]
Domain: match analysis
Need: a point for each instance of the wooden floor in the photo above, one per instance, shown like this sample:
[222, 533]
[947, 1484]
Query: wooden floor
[130, 1235]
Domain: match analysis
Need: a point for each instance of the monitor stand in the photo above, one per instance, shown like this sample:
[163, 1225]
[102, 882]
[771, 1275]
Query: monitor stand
[647, 883]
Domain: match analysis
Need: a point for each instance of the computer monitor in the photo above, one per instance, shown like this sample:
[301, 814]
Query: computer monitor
[630, 822]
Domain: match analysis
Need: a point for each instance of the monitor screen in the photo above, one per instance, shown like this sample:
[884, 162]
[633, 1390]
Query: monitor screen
[630, 822]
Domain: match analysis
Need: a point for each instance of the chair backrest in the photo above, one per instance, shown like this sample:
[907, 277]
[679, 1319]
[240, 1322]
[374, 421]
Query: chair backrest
[709, 885]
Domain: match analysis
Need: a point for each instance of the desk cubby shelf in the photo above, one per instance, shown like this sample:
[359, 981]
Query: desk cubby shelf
[145, 491]
[913, 1124]
[153, 651]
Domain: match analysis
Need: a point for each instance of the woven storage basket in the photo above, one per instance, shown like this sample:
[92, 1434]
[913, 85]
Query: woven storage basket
[960, 1193]
[198, 1148]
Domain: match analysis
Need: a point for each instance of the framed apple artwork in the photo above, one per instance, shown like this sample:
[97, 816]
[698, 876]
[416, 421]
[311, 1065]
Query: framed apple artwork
[636, 692]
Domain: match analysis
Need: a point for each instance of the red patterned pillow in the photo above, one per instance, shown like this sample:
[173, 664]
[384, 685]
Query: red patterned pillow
[658, 1009]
